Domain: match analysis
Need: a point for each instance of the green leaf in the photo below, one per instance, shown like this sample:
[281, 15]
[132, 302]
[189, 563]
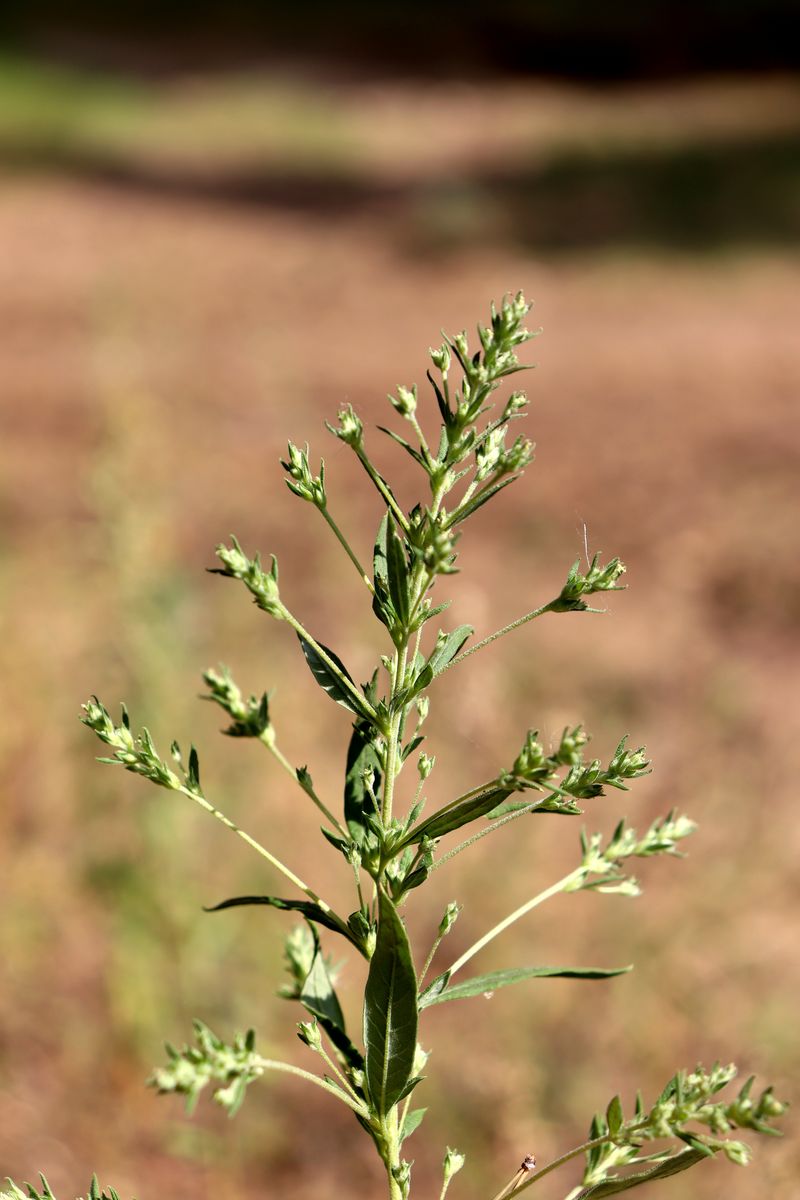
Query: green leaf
[381, 604]
[311, 911]
[362, 755]
[448, 648]
[614, 1117]
[413, 1121]
[671, 1166]
[479, 985]
[390, 1011]
[318, 997]
[478, 501]
[453, 817]
[415, 454]
[327, 679]
[397, 568]
[380, 568]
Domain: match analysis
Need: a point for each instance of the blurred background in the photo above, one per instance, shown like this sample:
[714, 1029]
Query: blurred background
[218, 223]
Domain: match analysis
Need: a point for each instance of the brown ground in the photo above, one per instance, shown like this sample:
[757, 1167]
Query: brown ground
[157, 352]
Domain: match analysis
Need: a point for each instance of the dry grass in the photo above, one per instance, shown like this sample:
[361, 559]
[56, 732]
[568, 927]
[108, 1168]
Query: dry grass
[156, 355]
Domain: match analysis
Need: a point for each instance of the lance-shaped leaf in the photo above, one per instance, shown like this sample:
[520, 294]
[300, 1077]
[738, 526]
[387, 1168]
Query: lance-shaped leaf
[397, 571]
[318, 997]
[390, 1011]
[329, 680]
[479, 985]
[663, 1170]
[412, 1121]
[310, 910]
[447, 647]
[454, 816]
[362, 756]
[382, 603]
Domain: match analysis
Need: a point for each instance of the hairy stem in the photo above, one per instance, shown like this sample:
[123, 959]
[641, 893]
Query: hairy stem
[267, 739]
[347, 549]
[501, 926]
[363, 706]
[493, 637]
[268, 1064]
[262, 850]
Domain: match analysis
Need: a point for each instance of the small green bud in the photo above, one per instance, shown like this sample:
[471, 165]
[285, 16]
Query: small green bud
[597, 579]
[438, 547]
[425, 764]
[308, 1032]
[351, 430]
[449, 918]
[441, 358]
[515, 404]
[490, 453]
[461, 344]
[517, 457]
[405, 401]
[263, 585]
[301, 481]
[453, 1162]
[423, 704]
[402, 1176]
[736, 1152]
[569, 751]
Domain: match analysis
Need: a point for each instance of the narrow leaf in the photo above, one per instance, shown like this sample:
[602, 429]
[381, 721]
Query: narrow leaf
[327, 679]
[671, 1166]
[390, 1011]
[413, 1121]
[311, 911]
[450, 818]
[318, 997]
[397, 567]
[444, 653]
[415, 454]
[380, 568]
[479, 985]
[478, 501]
[361, 756]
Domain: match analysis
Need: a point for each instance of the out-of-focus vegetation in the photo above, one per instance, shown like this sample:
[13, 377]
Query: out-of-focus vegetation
[194, 269]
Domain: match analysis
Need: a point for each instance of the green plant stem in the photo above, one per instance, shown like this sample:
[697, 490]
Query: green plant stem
[363, 706]
[339, 1074]
[384, 490]
[398, 671]
[269, 742]
[490, 828]
[487, 641]
[501, 926]
[437, 941]
[423, 444]
[268, 1064]
[347, 549]
[559, 1162]
[262, 850]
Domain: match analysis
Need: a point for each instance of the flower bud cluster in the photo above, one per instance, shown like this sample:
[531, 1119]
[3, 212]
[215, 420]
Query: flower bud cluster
[250, 717]
[262, 585]
[686, 1102]
[597, 579]
[211, 1060]
[13, 1192]
[662, 837]
[301, 481]
[351, 429]
[449, 918]
[135, 753]
[405, 402]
